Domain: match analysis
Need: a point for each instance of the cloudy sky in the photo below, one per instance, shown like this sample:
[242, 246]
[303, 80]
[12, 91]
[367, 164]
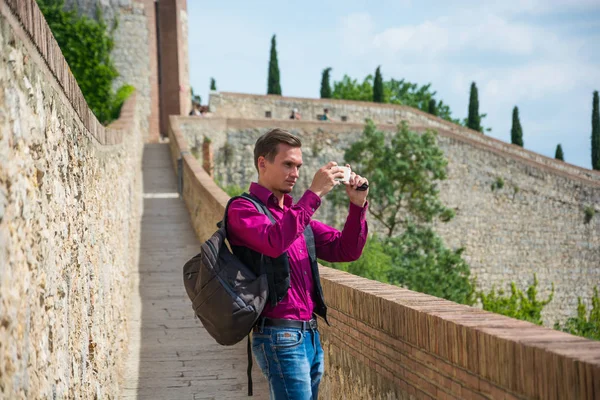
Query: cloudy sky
[541, 55]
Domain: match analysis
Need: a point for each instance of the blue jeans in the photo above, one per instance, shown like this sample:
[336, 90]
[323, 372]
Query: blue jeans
[292, 361]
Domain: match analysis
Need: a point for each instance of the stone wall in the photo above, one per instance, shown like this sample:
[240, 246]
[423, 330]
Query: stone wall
[134, 52]
[386, 342]
[70, 206]
[251, 106]
[534, 224]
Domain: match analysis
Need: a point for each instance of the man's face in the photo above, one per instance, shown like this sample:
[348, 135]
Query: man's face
[281, 175]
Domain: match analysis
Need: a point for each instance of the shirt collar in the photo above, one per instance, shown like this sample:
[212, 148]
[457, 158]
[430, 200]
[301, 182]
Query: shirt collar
[267, 197]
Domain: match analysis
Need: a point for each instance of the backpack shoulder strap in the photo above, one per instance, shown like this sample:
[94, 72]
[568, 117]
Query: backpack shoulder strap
[259, 205]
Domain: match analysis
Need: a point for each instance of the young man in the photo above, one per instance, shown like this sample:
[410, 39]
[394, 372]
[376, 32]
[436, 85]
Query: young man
[285, 341]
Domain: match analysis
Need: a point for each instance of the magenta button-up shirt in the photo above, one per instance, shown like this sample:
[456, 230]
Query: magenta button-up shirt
[250, 228]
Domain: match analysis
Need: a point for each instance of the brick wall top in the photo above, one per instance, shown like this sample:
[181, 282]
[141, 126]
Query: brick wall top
[449, 350]
[29, 24]
[456, 351]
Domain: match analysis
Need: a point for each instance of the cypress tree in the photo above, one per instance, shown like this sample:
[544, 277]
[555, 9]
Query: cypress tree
[432, 108]
[213, 84]
[516, 133]
[273, 87]
[559, 153]
[325, 86]
[474, 120]
[595, 133]
[378, 86]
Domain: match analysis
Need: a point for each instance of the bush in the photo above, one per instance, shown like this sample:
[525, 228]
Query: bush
[498, 183]
[122, 94]
[86, 45]
[373, 264]
[517, 305]
[589, 214]
[581, 325]
[232, 189]
[416, 260]
[421, 262]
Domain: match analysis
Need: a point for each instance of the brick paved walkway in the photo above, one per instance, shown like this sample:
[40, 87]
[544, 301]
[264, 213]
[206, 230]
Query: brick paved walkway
[170, 354]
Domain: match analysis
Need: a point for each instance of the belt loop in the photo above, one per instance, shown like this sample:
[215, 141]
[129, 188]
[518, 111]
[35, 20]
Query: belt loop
[262, 325]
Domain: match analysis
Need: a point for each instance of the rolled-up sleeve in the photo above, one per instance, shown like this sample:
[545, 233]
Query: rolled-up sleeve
[347, 245]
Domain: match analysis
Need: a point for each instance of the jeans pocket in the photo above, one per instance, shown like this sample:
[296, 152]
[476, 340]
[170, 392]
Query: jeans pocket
[287, 339]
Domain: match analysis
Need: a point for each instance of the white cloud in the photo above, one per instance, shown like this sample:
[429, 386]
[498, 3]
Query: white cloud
[526, 7]
[446, 36]
[427, 39]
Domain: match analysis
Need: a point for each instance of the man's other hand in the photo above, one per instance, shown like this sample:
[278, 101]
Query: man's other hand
[356, 197]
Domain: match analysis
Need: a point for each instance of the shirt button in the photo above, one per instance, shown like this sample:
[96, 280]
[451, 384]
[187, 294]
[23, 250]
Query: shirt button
[304, 272]
[301, 251]
[313, 209]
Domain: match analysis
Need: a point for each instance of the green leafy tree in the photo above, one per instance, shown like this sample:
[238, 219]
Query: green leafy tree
[403, 175]
[582, 325]
[351, 89]
[274, 87]
[474, 119]
[516, 132]
[86, 44]
[519, 305]
[399, 92]
[122, 94]
[378, 96]
[325, 85]
[559, 153]
[213, 84]
[411, 94]
[595, 133]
